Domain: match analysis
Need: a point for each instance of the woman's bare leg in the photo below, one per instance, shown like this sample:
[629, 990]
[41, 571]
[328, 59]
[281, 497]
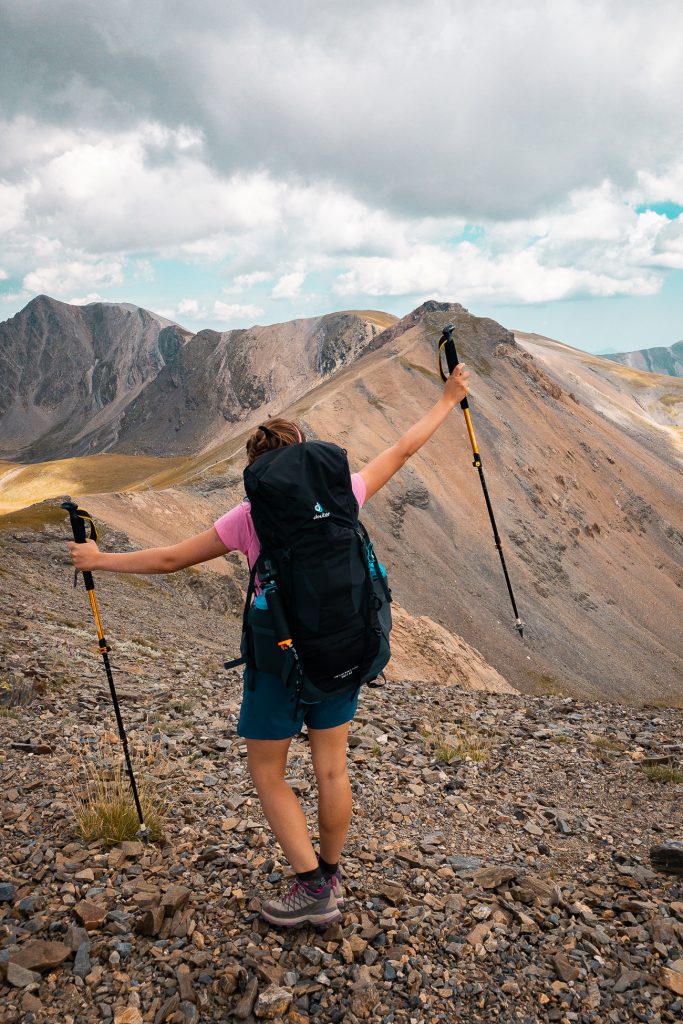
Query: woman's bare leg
[328, 750]
[267, 760]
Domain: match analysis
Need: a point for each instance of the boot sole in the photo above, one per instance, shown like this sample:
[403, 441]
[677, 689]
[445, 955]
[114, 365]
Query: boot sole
[294, 922]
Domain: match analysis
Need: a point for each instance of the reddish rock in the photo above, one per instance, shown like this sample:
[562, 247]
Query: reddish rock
[272, 1002]
[91, 915]
[122, 852]
[31, 1003]
[41, 955]
[478, 933]
[151, 921]
[131, 848]
[245, 1004]
[564, 969]
[175, 899]
[185, 985]
[492, 877]
[672, 977]
[129, 1015]
[20, 976]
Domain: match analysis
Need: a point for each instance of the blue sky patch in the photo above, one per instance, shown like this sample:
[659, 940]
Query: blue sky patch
[667, 209]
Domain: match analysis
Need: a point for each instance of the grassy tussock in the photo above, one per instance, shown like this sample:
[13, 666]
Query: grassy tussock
[101, 796]
[460, 743]
[18, 694]
[663, 773]
[546, 685]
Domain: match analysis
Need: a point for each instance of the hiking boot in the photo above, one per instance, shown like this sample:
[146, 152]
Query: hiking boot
[303, 904]
[336, 880]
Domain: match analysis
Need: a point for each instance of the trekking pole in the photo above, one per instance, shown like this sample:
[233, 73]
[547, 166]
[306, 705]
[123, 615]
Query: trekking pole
[78, 516]
[447, 345]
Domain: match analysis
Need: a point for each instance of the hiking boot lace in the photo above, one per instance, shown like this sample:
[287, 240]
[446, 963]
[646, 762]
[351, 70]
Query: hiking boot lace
[297, 897]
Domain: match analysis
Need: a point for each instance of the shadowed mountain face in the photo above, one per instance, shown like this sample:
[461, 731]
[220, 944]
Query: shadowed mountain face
[68, 372]
[108, 377]
[654, 360]
[220, 380]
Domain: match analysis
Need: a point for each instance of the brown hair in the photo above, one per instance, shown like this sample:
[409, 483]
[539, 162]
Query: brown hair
[274, 433]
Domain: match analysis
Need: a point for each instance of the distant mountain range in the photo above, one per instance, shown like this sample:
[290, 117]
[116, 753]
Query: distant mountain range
[654, 360]
[582, 459]
[112, 377]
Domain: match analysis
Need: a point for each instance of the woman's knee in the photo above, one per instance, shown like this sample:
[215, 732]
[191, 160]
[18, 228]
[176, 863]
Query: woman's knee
[331, 772]
[328, 753]
[267, 761]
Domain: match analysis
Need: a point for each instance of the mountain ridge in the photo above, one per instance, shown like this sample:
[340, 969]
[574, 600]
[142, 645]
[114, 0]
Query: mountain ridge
[658, 359]
[113, 377]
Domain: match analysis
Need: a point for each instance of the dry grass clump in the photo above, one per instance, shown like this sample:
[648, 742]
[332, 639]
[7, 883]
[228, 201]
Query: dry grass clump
[663, 773]
[461, 743]
[18, 694]
[546, 685]
[605, 749]
[101, 794]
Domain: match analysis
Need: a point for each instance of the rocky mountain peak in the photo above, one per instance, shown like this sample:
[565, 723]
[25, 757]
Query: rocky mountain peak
[68, 371]
[109, 376]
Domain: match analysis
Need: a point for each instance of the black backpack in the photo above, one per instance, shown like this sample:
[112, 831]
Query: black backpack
[323, 619]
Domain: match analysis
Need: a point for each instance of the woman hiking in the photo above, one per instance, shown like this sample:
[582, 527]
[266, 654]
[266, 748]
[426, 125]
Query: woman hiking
[315, 894]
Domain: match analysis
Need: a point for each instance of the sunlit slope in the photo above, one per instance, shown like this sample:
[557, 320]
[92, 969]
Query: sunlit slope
[631, 397]
[21, 486]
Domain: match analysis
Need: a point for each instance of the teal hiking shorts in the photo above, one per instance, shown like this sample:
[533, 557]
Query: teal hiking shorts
[267, 710]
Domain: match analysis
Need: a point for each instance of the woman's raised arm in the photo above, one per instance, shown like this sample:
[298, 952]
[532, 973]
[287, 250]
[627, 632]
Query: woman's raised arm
[383, 467]
[200, 548]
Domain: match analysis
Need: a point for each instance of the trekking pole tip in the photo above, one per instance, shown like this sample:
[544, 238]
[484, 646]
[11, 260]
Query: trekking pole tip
[143, 834]
[520, 627]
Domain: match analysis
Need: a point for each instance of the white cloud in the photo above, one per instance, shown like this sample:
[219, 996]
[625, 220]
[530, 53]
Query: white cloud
[545, 125]
[3, 274]
[244, 281]
[664, 184]
[668, 248]
[227, 311]
[188, 307]
[485, 110]
[83, 300]
[143, 270]
[593, 244]
[202, 312]
[62, 278]
[289, 285]
[12, 206]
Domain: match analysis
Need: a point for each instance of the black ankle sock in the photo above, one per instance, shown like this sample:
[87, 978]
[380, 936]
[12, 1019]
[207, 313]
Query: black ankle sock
[313, 879]
[325, 867]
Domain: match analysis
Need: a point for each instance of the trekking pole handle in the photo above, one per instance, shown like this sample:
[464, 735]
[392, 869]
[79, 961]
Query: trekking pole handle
[447, 345]
[78, 516]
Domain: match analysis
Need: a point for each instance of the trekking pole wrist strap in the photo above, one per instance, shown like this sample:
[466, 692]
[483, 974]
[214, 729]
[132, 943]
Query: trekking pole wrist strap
[79, 517]
[447, 347]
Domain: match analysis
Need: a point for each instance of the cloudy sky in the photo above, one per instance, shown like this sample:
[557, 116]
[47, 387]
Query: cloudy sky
[229, 163]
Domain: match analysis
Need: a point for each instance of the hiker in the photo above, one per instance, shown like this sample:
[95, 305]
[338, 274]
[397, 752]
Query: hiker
[266, 720]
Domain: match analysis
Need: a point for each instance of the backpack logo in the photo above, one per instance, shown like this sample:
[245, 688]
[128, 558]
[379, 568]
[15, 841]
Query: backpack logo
[321, 513]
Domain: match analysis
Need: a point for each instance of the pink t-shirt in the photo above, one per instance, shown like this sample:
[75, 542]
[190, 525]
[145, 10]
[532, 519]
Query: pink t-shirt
[237, 532]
